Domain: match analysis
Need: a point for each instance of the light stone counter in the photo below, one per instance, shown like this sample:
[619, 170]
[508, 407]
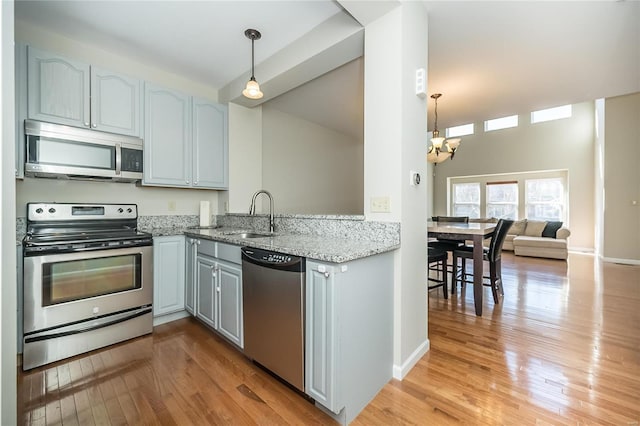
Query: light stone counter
[328, 249]
[330, 238]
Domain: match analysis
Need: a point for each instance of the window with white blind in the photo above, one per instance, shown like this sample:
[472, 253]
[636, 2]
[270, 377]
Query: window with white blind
[502, 200]
[545, 199]
[466, 200]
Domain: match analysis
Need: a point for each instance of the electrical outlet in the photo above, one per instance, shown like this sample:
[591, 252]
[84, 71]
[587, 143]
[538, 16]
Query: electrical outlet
[380, 205]
[171, 206]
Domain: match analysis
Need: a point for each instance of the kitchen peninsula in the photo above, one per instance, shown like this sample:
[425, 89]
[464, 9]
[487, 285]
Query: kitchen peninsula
[348, 295]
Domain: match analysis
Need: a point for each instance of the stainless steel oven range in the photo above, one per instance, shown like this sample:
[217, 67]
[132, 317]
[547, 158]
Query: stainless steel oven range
[88, 279]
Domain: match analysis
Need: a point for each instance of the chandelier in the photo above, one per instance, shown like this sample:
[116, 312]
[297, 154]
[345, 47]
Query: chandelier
[436, 153]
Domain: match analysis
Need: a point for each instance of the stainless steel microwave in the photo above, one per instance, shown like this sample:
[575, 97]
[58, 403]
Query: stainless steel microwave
[53, 150]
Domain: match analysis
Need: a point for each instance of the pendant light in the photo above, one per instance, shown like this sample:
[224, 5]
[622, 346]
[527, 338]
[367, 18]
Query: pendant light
[252, 90]
[436, 153]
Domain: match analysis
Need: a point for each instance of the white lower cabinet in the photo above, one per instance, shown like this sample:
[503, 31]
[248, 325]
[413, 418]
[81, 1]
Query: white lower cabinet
[230, 298]
[213, 290]
[321, 345]
[168, 275]
[348, 333]
[206, 290]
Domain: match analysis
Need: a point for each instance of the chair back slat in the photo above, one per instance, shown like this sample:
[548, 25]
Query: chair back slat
[497, 240]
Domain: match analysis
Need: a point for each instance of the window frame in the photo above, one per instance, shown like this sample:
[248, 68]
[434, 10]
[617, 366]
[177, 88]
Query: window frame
[521, 178]
[515, 203]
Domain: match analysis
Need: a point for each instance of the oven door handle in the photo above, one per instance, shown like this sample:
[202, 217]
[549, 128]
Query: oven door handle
[95, 324]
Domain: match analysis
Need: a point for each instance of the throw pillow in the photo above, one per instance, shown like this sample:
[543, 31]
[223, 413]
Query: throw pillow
[518, 227]
[534, 228]
[551, 229]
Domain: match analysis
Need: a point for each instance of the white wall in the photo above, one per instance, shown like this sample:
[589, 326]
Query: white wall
[395, 127]
[245, 157]
[554, 145]
[622, 179]
[8, 295]
[309, 168]
[150, 200]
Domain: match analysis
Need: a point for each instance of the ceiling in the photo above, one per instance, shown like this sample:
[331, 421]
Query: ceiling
[488, 59]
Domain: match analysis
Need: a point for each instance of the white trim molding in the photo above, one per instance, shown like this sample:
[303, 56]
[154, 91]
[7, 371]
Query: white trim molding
[400, 371]
[623, 261]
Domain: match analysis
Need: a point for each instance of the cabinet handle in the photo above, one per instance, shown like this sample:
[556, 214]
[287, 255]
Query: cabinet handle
[195, 182]
[218, 289]
[187, 181]
[86, 123]
[327, 275]
[198, 242]
[94, 125]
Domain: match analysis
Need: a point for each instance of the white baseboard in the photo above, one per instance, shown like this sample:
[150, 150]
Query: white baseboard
[400, 371]
[581, 250]
[623, 261]
[162, 319]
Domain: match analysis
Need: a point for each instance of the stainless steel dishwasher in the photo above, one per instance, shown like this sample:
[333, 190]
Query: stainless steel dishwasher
[273, 293]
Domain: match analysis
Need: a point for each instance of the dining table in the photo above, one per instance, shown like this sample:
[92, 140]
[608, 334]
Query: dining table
[474, 231]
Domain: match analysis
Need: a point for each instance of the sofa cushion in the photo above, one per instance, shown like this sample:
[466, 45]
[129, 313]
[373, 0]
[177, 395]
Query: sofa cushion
[550, 243]
[518, 227]
[534, 228]
[550, 230]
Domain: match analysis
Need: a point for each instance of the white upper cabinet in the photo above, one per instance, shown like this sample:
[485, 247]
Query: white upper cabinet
[167, 137]
[65, 91]
[58, 89]
[115, 102]
[186, 141]
[210, 144]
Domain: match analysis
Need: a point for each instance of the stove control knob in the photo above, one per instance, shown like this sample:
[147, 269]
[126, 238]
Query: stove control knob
[120, 210]
[39, 210]
[129, 210]
[52, 210]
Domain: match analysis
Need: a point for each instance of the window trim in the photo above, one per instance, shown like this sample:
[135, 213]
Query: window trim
[521, 178]
[552, 114]
[500, 123]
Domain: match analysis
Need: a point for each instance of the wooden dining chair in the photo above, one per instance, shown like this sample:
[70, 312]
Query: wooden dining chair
[491, 254]
[438, 259]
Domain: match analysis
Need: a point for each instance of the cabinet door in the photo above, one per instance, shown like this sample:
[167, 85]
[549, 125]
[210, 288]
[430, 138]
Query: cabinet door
[210, 145]
[21, 106]
[58, 89]
[230, 302]
[115, 102]
[321, 349]
[167, 146]
[168, 274]
[206, 290]
[190, 273]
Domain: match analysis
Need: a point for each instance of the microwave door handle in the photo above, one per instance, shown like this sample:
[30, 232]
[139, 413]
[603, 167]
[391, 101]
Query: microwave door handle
[118, 159]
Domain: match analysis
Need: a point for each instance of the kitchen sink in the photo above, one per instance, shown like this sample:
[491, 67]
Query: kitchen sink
[204, 227]
[245, 234]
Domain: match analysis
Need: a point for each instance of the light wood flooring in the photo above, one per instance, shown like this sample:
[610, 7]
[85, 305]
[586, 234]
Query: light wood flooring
[562, 348]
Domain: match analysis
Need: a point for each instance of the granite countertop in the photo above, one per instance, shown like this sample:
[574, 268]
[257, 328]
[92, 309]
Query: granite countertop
[328, 249]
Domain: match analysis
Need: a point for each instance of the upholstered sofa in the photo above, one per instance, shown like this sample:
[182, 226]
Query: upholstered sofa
[536, 238]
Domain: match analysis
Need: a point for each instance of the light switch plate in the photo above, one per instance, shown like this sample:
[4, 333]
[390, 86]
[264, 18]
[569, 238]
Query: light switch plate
[380, 204]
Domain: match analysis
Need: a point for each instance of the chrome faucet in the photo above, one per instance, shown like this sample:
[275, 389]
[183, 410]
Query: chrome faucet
[252, 208]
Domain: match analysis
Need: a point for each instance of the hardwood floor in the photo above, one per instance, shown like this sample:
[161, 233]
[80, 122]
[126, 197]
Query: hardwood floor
[562, 348]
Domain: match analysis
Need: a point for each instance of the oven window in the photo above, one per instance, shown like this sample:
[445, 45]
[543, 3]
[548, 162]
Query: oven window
[82, 279]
